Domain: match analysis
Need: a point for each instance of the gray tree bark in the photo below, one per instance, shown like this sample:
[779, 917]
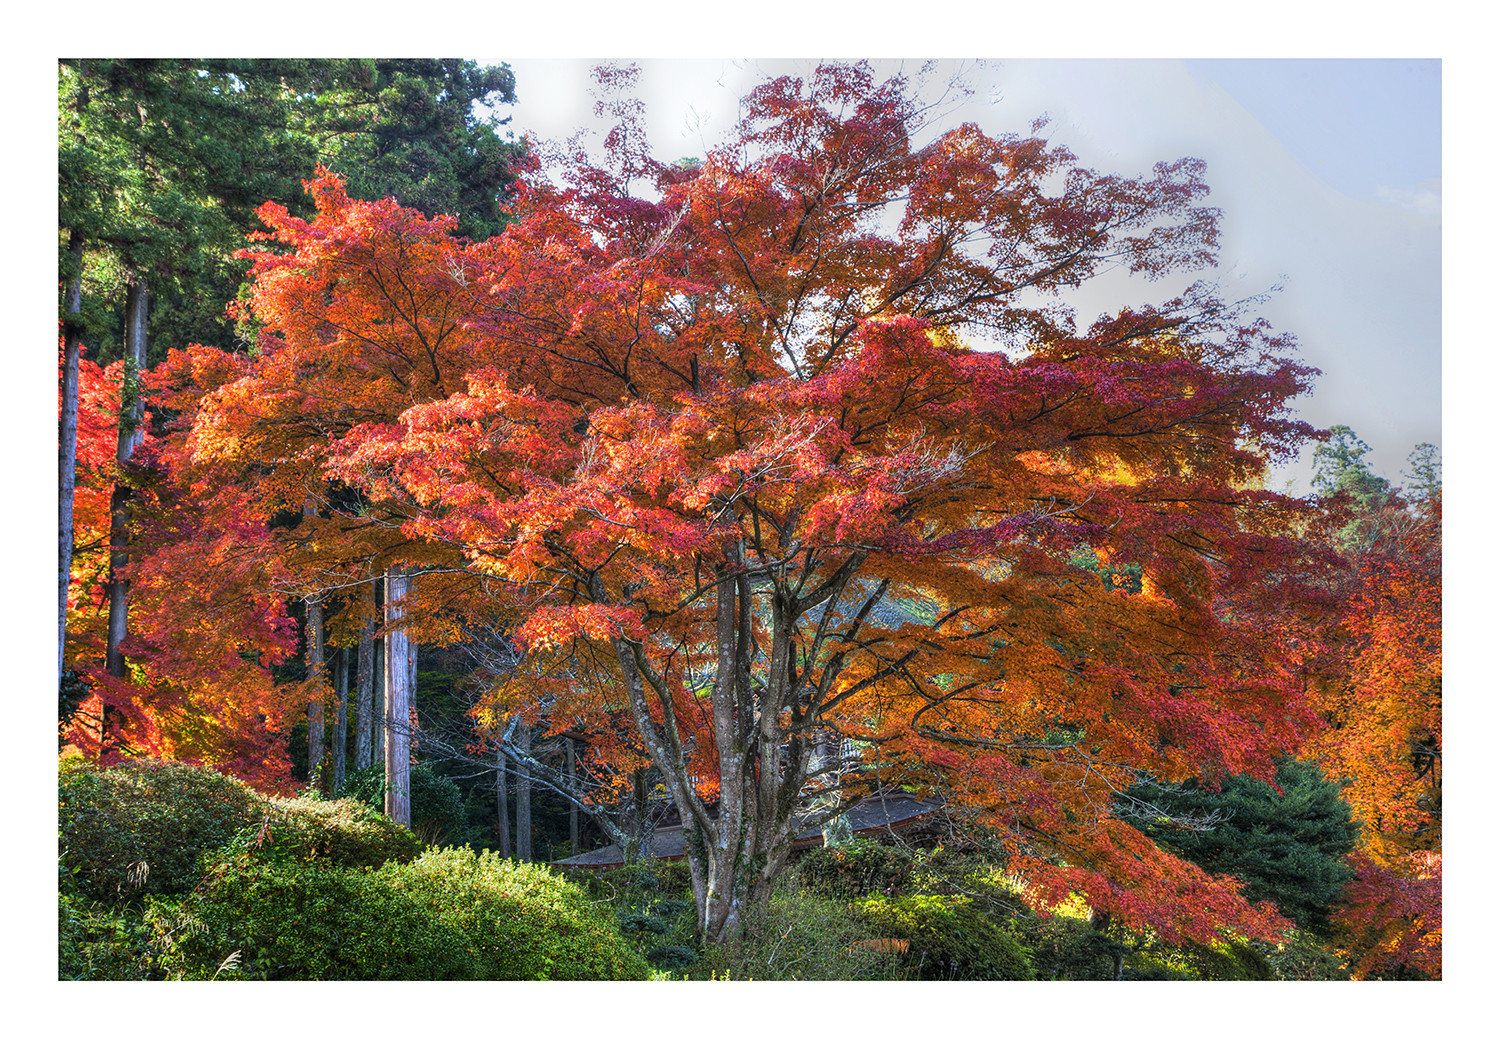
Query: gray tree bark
[572, 808]
[131, 434]
[316, 672]
[364, 686]
[502, 805]
[341, 719]
[523, 797]
[67, 444]
[397, 701]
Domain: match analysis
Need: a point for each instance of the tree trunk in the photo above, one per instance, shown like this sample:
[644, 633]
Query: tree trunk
[67, 444]
[523, 796]
[67, 424]
[572, 808]
[131, 433]
[397, 701]
[341, 720]
[502, 805]
[364, 685]
[317, 673]
[764, 759]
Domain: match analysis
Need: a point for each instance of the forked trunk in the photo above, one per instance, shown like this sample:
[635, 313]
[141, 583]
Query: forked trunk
[765, 714]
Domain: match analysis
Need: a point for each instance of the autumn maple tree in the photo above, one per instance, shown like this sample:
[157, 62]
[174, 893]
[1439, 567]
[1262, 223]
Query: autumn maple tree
[798, 456]
[1381, 701]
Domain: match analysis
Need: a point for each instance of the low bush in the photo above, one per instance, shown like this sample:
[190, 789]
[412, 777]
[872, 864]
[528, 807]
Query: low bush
[525, 922]
[449, 915]
[950, 939]
[139, 828]
[800, 936]
[342, 833]
[98, 941]
[296, 921]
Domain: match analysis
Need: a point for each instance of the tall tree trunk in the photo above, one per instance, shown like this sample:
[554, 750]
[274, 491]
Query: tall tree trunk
[316, 672]
[523, 796]
[502, 805]
[364, 686]
[131, 433]
[397, 701]
[67, 443]
[341, 720]
[572, 807]
[67, 424]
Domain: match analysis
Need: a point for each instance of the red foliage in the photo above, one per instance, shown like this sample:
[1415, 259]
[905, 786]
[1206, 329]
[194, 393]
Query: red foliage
[722, 461]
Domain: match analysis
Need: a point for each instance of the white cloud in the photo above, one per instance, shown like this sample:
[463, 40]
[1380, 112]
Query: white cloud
[1426, 199]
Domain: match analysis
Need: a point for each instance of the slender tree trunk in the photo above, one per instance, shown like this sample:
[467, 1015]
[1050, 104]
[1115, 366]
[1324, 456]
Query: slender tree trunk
[377, 702]
[317, 672]
[67, 444]
[523, 797]
[364, 686]
[397, 702]
[572, 808]
[131, 433]
[502, 805]
[341, 720]
[67, 437]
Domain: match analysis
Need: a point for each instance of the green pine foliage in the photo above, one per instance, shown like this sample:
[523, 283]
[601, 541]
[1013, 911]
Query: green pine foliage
[1287, 846]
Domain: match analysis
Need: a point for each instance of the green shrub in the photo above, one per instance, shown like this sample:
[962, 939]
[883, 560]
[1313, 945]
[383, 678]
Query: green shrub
[1222, 961]
[1300, 957]
[297, 921]
[449, 915]
[161, 814]
[438, 814]
[800, 936]
[852, 871]
[333, 833]
[525, 922]
[950, 938]
[675, 959]
[1064, 948]
[99, 941]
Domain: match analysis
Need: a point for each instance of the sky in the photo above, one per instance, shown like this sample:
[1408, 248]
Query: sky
[1329, 174]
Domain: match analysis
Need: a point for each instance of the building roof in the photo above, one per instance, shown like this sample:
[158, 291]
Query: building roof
[889, 813]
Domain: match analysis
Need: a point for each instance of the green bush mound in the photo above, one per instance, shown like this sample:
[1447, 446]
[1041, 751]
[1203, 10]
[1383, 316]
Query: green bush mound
[450, 915]
[143, 828]
[526, 922]
[139, 828]
[342, 833]
[950, 938]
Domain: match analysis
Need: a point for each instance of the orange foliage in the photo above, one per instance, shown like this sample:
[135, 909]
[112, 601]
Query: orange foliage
[722, 462]
[1384, 737]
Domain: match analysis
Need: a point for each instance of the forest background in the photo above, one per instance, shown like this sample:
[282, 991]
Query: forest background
[1459, 451]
